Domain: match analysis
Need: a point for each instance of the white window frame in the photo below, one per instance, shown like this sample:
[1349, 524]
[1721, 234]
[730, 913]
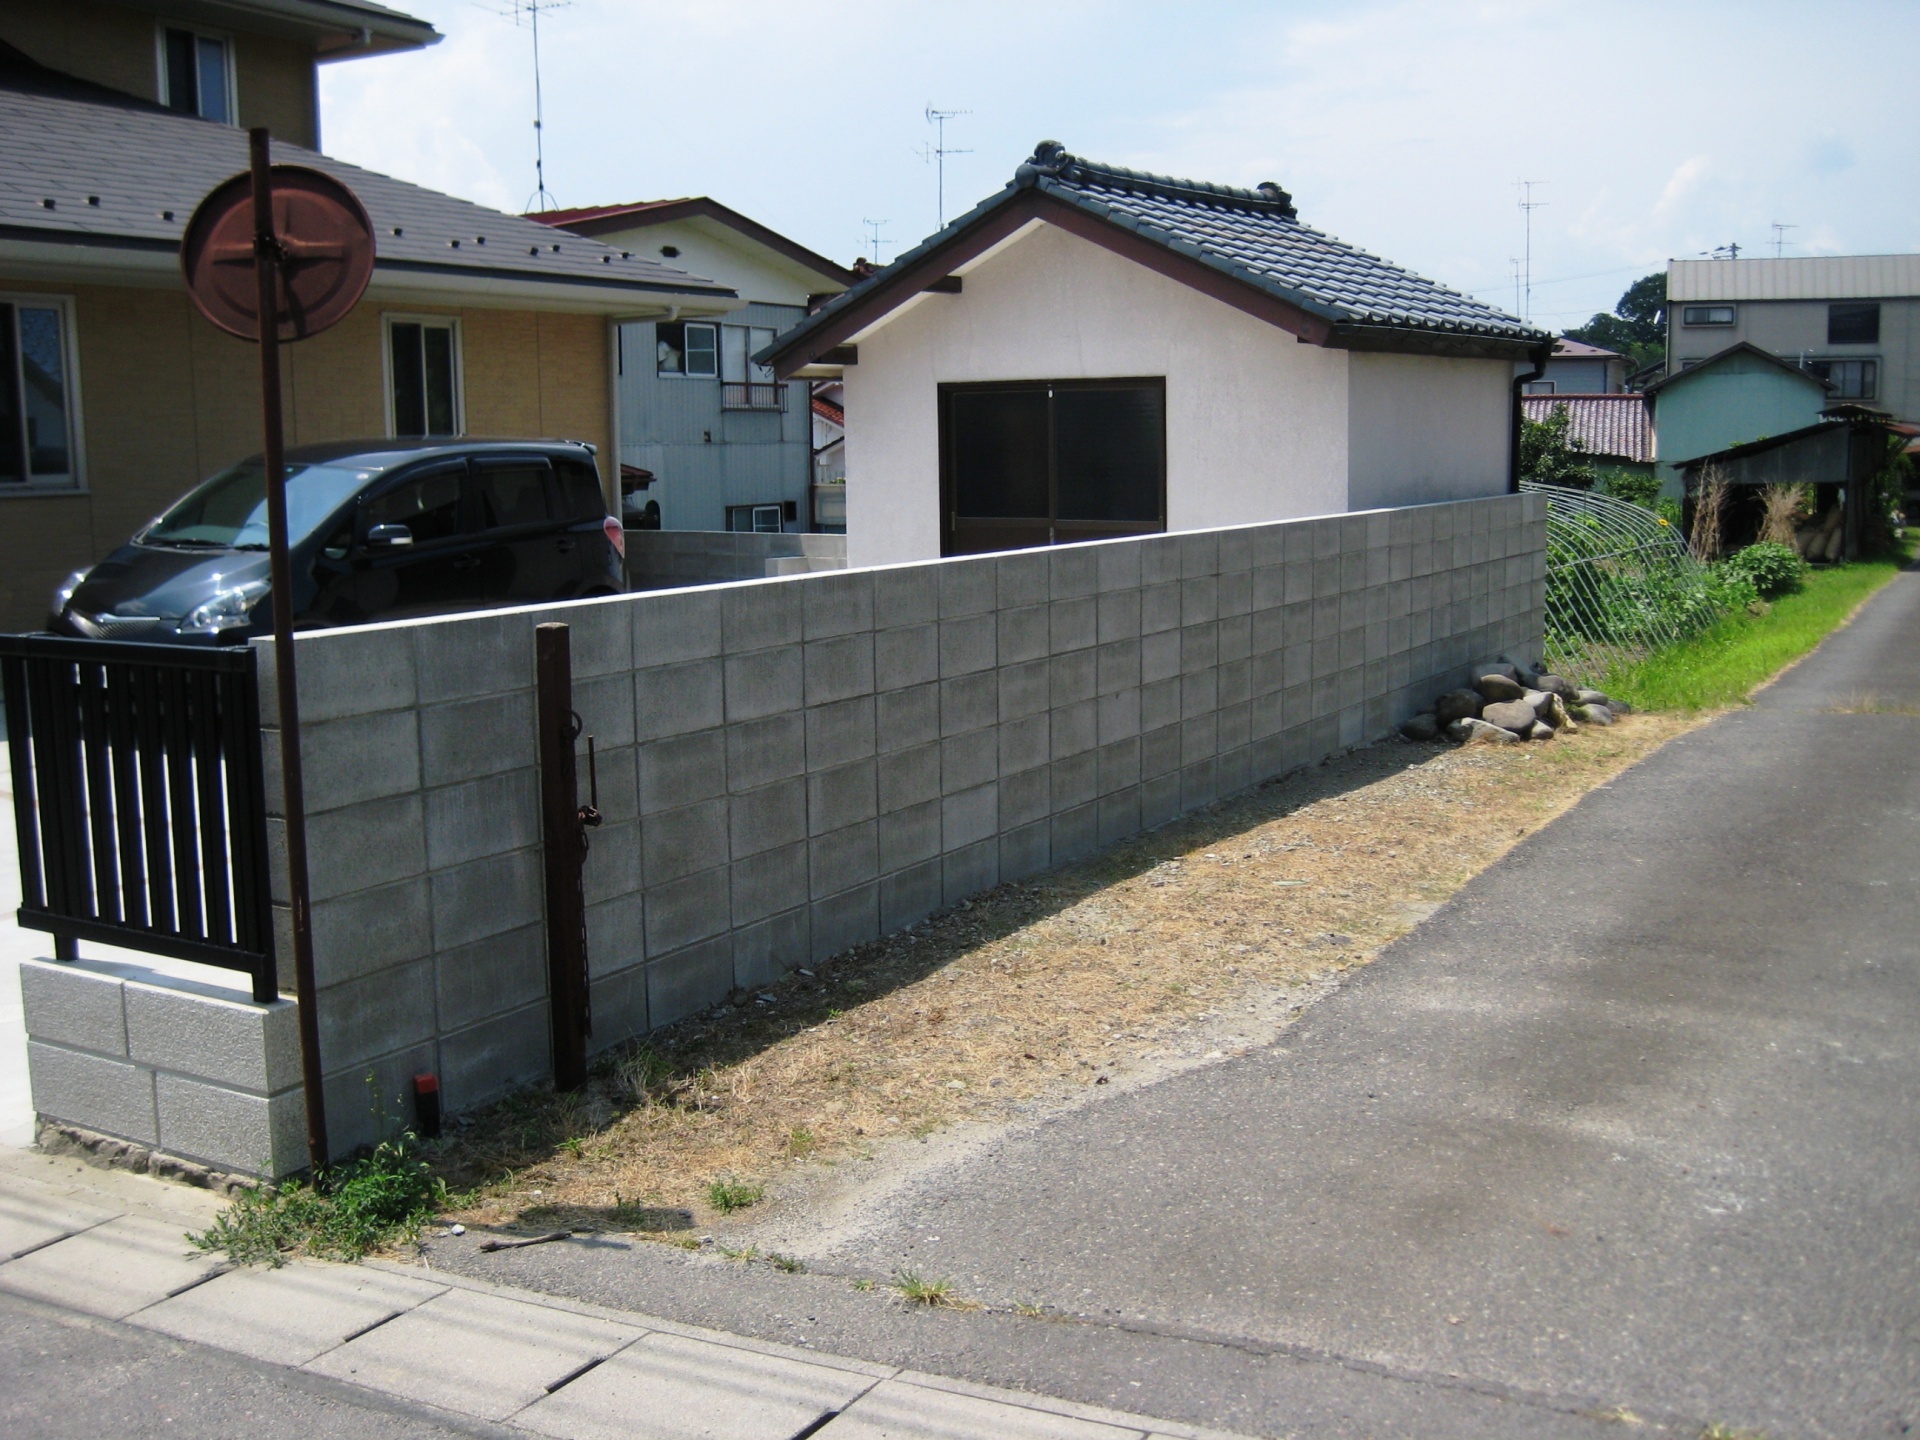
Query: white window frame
[75, 482]
[451, 322]
[682, 373]
[1542, 387]
[1733, 317]
[164, 84]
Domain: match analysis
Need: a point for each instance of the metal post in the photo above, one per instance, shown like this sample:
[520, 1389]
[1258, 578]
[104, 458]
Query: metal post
[565, 850]
[266, 264]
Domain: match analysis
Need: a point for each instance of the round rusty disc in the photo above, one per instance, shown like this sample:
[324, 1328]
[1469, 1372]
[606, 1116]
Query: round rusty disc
[326, 253]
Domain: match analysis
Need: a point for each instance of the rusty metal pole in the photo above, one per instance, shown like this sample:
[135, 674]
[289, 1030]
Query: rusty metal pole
[564, 845]
[266, 256]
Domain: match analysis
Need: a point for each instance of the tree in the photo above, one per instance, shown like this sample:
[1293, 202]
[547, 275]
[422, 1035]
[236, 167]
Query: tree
[1637, 328]
[1551, 455]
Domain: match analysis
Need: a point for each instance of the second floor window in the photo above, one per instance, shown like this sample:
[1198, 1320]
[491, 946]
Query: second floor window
[1853, 324]
[1706, 315]
[1851, 379]
[687, 348]
[197, 73]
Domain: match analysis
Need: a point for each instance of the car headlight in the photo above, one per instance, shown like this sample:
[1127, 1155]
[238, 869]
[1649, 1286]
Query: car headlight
[64, 594]
[228, 610]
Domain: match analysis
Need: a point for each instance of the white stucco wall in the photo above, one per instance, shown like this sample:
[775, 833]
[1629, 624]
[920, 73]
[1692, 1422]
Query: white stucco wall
[1422, 428]
[1256, 422]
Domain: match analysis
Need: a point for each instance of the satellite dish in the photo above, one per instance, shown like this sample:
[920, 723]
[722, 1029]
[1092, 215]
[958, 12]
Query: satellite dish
[325, 257]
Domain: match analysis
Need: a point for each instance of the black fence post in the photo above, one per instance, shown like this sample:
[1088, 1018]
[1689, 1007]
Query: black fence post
[564, 843]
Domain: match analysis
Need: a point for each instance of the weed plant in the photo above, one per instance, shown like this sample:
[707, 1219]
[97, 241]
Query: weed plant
[727, 1196]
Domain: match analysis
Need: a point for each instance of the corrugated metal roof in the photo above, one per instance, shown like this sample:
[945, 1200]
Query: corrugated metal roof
[1800, 277]
[1615, 427]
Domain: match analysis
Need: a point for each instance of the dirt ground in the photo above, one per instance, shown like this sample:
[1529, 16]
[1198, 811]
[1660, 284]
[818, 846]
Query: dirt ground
[1024, 997]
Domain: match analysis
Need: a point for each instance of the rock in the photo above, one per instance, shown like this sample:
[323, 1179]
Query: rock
[1590, 697]
[1540, 730]
[1502, 667]
[1555, 684]
[1425, 726]
[1477, 732]
[1592, 714]
[1514, 715]
[1496, 687]
[1555, 712]
[1457, 705]
[1537, 699]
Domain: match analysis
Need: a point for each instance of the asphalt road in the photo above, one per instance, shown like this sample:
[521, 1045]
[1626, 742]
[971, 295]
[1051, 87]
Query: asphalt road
[1628, 1127]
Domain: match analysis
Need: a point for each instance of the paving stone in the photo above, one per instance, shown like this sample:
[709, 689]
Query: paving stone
[112, 1270]
[290, 1315]
[474, 1354]
[894, 1410]
[672, 1387]
[27, 1224]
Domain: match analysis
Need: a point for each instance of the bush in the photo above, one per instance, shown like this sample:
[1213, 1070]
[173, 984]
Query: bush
[1771, 568]
[1632, 486]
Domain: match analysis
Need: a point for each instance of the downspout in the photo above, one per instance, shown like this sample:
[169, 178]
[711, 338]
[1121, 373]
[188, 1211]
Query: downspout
[1520, 382]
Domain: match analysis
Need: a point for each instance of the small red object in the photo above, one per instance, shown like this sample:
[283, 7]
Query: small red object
[426, 1084]
[426, 1106]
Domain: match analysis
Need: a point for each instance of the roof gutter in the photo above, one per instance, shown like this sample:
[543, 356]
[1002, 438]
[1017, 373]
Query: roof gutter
[1541, 354]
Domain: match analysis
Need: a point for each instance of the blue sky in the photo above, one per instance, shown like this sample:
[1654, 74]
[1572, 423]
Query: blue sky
[1658, 130]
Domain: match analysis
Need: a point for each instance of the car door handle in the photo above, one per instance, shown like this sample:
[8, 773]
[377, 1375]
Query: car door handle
[565, 546]
[466, 562]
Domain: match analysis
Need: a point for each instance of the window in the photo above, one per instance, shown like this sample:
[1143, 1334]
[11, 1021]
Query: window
[1853, 324]
[1706, 315]
[1541, 387]
[761, 519]
[1851, 379]
[1040, 462]
[743, 384]
[580, 494]
[428, 505]
[196, 74]
[423, 373]
[688, 348]
[38, 436]
[513, 493]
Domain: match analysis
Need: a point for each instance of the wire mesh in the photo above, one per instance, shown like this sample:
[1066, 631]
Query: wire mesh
[1621, 584]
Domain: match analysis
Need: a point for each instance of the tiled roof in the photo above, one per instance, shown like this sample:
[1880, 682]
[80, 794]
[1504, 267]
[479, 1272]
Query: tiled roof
[830, 412]
[1565, 349]
[87, 166]
[1617, 427]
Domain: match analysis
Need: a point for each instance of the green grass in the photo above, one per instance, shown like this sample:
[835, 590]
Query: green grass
[727, 1196]
[1727, 663]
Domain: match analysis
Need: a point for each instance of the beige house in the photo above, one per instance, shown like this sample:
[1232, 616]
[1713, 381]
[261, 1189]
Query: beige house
[115, 395]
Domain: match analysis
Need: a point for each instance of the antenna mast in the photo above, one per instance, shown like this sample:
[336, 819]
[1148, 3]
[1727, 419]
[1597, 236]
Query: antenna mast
[1527, 206]
[542, 198]
[1780, 238]
[938, 153]
[873, 235]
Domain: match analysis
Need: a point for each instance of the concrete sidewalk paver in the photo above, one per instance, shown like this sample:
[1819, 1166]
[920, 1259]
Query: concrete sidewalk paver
[898, 1410]
[669, 1387]
[27, 1223]
[476, 1354]
[287, 1316]
[112, 1270]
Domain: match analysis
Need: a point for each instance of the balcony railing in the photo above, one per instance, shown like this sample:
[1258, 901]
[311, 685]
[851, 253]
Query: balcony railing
[753, 395]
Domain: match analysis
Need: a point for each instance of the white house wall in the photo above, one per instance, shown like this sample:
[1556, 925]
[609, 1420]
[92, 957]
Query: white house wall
[1256, 421]
[1422, 428]
[705, 250]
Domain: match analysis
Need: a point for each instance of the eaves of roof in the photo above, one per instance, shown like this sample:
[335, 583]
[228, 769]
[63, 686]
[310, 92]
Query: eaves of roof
[1739, 347]
[612, 219]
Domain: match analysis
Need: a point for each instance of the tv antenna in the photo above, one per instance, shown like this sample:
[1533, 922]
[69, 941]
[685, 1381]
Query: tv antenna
[1780, 238]
[938, 152]
[1729, 251]
[1515, 263]
[873, 228]
[542, 198]
[1527, 206]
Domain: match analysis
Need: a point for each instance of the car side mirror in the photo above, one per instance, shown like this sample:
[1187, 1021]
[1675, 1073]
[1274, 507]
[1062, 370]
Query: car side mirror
[388, 537]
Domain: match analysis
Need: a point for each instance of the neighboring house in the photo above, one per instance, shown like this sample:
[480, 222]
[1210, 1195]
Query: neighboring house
[726, 445]
[1853, 320]
[475, 322]
[1741, 394]
[829, 457]
[1096, 351]
[1577, 368]
[1617, 430]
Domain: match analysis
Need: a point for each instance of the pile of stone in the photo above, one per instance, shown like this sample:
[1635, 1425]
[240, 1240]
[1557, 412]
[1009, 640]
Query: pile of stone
[1509, 704]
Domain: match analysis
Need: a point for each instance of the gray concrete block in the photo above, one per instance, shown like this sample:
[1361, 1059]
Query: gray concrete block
[1235, 593]
[1117, 667]
[354, 758]
[286, 1316]
[906, 595]
[768, 949]
[480, 1064]
[764, 682]
[366, 930]
[1024, 743]
[605, 706]
[1075, 571]
[1160, 751]
[1160, 607]
[231, 1129]
[970, 870]
[771, 816]
[905, 655]
[363, 845]
[759, 614]
[969, 759]
[1159, 559]
[1199, 647]
[483, 817]
[502, 972]
[1160, 799]
[599, 633]
[1024, 579]
[1075, 781]
[968, 644]
[682, 770]
[1074, 728]
[1023, 633]
[1199, 784]
[1235, 638]
[342, 674]
[1199, 554]
[616, 934]
[839, 667]
[1073, 624]
[1026, 796]
[471, 738]
[842, 796]
[1199, 693]
[371, 1102]
[760, 752]
[112, 1096]
[908, 896]
[840, 732]
[1118, 716]
[1117, 566]
[619, 1004]
[1025, 689]
[1159, 703]
[1119, 815]
[843, 859]
[968, 586]
[903, 718]
[235, 1043]
[837, 605]
[674, 626]
[1119, 765]
[477, 654]
[1026, 850]
[1236, 551]
[1159, 656]
[969, 702]
[675, 843]
[683, 912]
[908, 777]
[376, 1014]
[1074, 676]
[910, 835]
[842, 921]
[113, 1269]
[969, 817]
[485, 897]
[1199, 739]
[768, 882]
[673, 699]
[69, 1003]
[1074, 833]
[1119, 616]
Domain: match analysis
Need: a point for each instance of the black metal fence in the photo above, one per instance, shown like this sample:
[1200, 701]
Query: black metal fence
[138, 798]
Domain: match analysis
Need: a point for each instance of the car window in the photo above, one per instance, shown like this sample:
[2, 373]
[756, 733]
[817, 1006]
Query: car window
[580, 497]
[428, 505]
[231, 508]
[513, 492]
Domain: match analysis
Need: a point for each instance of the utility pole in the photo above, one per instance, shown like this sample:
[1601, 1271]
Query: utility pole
[873, 235]
[1780, 238]
[938, 153]
[1527, 206]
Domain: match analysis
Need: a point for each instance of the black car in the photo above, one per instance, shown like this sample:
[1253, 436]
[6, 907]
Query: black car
[377, 530]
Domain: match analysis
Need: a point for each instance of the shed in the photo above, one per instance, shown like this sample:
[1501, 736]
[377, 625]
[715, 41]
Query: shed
[1740, 394]
[1099, 351]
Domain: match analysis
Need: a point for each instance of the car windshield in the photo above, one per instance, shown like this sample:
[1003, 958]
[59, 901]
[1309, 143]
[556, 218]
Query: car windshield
[229, 512]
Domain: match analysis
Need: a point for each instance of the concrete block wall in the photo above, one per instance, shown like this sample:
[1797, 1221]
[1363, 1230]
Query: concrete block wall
[188, 1069]
[664, 559]
[789, 767]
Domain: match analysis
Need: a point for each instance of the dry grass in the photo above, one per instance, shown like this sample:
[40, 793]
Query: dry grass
[1032, 991]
